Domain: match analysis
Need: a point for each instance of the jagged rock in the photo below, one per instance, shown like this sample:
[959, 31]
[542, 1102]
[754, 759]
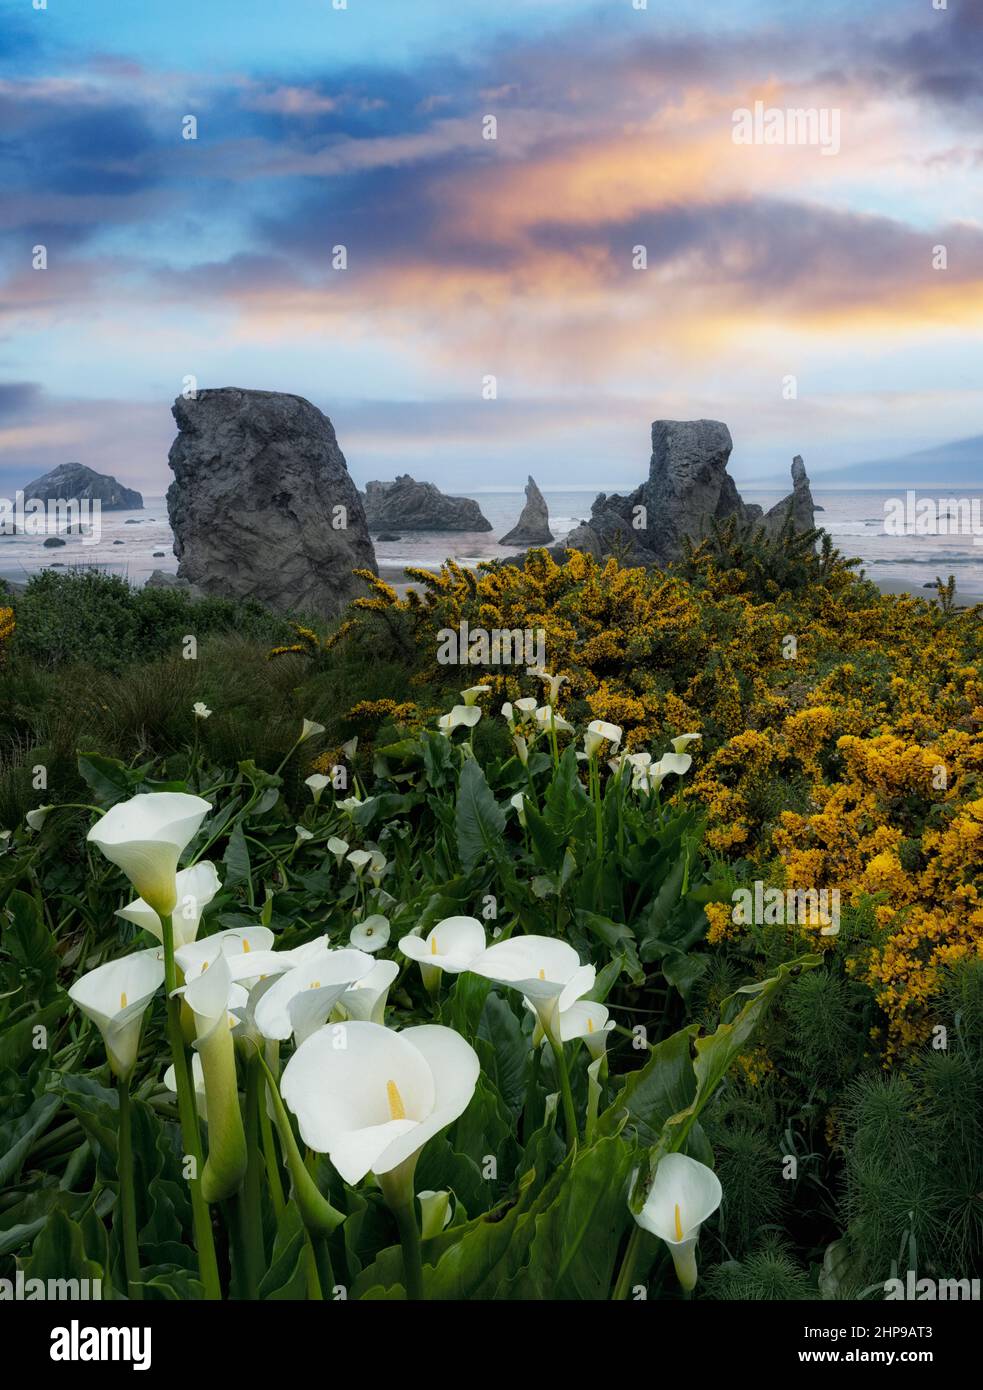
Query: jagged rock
[159, 579]
[533, 526]
[75, 480]
[406, 505]
[798, 503]
[262, 505]
[688, 486]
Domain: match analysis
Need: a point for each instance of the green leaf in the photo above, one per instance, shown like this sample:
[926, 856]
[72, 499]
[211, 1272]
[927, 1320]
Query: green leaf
[236, 858]
[480, 821]
[617, 938]
[59, 1253]
[27, 937]
[18, 1136]
[662, 1087]
[566, 801]
[108, 779]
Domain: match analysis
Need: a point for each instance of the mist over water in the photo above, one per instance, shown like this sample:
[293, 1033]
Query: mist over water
[855, 520]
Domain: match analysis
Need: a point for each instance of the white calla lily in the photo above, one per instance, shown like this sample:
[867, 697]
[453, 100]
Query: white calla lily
[461, 716]
[435, 1212]
[366, 1000]
[198, 1081]
[146, 836]
[211, 996]
[200, 710]
[317, 783]
[680, 743]
[554, 682]
[451, 945]
[677, 763]
[370, 935]
[359, 859]
[115, 996]
[36, 818]
[195, 889]
[518, 801]
[547, 718]
[372, 1104]
[196, 956]
[310, 729]
[599, 732]
[339, 848]
[470, 695]
[585, 1019]
[683, 1194]
[546, 970]
[301, 1000]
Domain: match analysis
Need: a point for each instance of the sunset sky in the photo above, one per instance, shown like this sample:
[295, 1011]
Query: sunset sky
[467, 257]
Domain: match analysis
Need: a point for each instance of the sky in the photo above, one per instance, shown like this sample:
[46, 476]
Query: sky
[493, 317]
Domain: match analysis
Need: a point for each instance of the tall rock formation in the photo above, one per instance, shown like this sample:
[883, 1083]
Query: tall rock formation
[406, 505]
[798, 504]
[77, 481]
[533, 526]
[262, 505]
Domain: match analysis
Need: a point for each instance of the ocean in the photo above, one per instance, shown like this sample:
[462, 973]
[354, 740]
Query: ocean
[131, 542]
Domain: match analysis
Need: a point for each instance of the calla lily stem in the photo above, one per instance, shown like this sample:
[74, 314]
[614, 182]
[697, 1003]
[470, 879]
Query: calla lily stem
[191, 1138]
[566, 1095]
[629, 1263]
[127, 1193]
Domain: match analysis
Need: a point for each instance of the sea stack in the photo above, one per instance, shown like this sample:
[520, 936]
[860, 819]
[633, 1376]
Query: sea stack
[408, 505]
[798, 504]
[76, 481]
[533, 526]
[262, 505]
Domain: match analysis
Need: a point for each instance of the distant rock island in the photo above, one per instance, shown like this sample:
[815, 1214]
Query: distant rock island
[75, 480]
[533, 526]
[262, 505]
[407, 505]
[688, 487]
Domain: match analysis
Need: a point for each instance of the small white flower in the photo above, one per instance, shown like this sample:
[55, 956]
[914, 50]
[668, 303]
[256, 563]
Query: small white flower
[310, 730]
[547, 718]
[460, 716]
[521, 749]
[470, 695]
[451, 945]
[317, 783]
[195, 888]
[200, 710]
[370, 935]
[378, 866]
[116, 996]
[554, 682]
[350, 805]
[302, 835]
[678, 744]
[681, 1198]
[435, 1212]
[339, 848]
[519, 802]
[358, 859]
[38, 816]
[4, 839]
[348, 748]
[597, 733]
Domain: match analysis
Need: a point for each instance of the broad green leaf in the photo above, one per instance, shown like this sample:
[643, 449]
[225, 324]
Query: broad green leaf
[480, 821]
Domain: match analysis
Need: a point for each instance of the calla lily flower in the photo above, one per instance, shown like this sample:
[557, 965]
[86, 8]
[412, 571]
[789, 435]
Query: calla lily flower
[302, 999]
[435, 1212]
[196, 957]
[679, 744]
[339, 848]
[210, 996]
[358, 859]
[521, 749]
[461, 716]
[317, 783]
[348, 749]
[546, 970]
[451, 945]
[146, 836]
[519, 802]
[547, 718]
[682, 1196]
[678, 763]
[378, 865]
[585, 1019]
[554, 682]
[302, 835]
[116, 996]
[597, 733]
[351, 804]
[310, 730]
[470, 695]
[366, 999]
[195, 889]
[370, 935]
[200, 710]
[4, 838]
[372, 1104]
[38, 816]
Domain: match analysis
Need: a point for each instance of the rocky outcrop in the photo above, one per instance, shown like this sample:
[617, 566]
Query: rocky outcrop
[533, 526]
[688, 486]
[160, 579]
[262, 505]
[798, 504]
[406, 505]
[75, 480]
